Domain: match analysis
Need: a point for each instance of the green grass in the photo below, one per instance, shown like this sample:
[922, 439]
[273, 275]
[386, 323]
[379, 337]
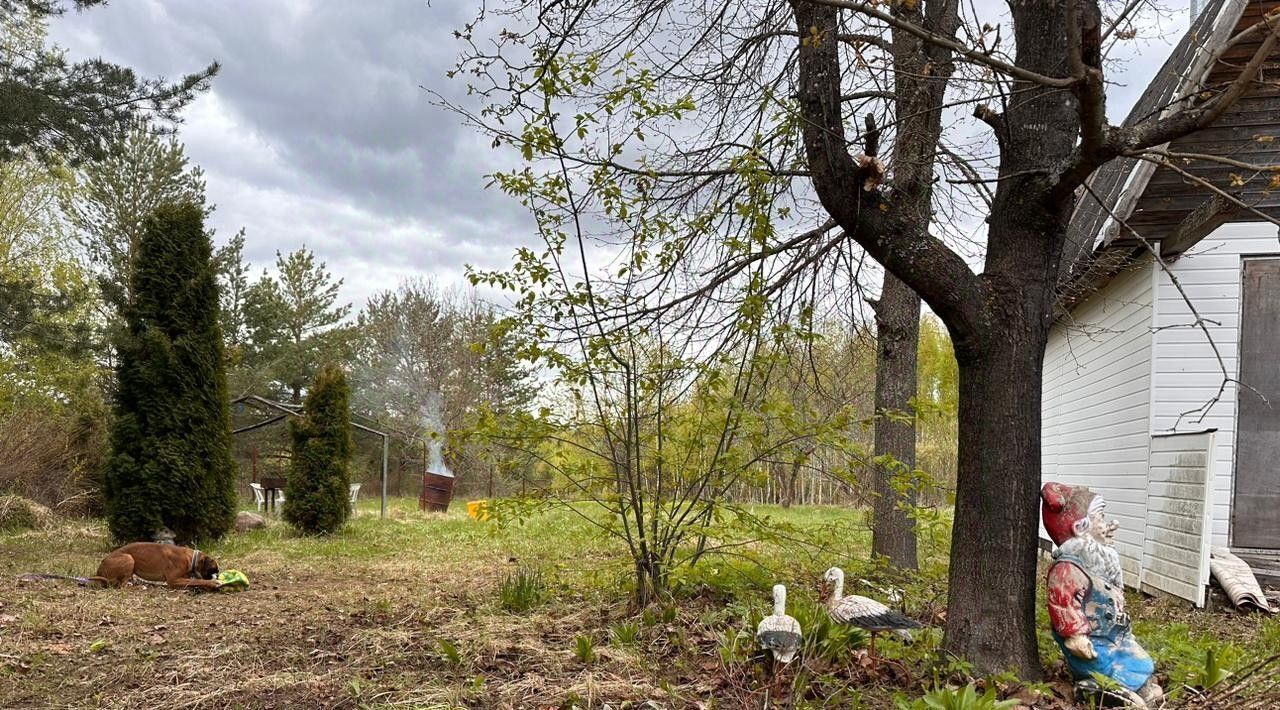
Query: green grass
[417, 611]
[522, 590]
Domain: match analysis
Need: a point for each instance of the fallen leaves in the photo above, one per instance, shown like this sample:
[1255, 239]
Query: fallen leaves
[60, 649]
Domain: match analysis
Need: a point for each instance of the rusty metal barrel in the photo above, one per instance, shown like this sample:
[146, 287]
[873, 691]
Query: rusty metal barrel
[437, 492]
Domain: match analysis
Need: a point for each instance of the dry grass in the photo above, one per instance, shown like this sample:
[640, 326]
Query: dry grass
[350, 621]
[365, 619]
[18, 513]
[47, 458]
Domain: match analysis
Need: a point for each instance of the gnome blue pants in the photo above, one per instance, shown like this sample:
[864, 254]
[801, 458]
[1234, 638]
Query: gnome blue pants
[1120, 658]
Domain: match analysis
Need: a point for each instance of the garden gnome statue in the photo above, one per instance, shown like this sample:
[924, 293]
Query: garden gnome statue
[1086, 599]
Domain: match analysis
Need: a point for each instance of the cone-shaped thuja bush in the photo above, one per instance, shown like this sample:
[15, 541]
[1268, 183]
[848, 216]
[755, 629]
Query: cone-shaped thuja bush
[170, 464]
[316, 495]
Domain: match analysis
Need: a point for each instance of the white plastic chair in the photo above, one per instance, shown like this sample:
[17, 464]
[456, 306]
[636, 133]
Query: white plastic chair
[259, 496]
[355, 492]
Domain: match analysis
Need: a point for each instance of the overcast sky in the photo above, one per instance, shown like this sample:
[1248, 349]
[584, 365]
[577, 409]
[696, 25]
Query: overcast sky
[316, 130]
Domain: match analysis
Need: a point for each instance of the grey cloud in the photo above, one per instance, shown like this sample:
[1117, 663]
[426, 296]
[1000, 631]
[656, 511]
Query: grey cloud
[317, 129]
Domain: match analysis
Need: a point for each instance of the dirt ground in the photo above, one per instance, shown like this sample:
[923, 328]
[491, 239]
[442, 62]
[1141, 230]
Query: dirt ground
[318, 628]
[401, 613]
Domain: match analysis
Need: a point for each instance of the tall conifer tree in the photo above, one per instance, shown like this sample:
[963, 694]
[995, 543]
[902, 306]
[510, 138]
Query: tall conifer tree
[171, 461]
[320, 472]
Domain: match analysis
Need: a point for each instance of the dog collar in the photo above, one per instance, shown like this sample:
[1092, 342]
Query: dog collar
[195, 557]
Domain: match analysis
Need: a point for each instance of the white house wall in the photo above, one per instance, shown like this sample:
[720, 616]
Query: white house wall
[1187, 373]
[1097, 403]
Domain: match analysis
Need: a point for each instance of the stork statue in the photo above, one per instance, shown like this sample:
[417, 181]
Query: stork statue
[863, 612]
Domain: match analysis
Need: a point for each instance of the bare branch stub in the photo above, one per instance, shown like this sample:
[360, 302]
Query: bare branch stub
[871, 142]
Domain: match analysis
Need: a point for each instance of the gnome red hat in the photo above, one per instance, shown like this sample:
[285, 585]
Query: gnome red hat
[1065, 510]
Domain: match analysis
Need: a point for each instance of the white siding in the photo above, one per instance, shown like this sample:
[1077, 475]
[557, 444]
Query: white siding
[1175, 557]
[1187, 373]
[1097, 403]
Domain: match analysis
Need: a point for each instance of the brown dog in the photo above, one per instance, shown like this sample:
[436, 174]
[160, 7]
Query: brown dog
[179, 567]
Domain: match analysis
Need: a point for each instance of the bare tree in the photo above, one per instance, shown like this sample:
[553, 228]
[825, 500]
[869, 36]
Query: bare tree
[922, 72]
[666, 113]
[428, 362]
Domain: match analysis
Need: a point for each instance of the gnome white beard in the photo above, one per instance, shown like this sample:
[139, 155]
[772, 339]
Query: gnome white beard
[1100, 559]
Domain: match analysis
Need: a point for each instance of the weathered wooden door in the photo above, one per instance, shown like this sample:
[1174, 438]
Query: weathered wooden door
[1256, 505]
[1175, 545]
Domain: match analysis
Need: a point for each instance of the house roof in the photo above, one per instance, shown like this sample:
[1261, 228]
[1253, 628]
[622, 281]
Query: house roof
[1171, 206]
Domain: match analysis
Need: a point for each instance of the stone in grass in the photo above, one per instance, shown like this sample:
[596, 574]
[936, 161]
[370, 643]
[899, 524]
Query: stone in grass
[249, 521]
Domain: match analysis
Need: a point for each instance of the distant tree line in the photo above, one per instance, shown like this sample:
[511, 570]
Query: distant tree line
[88, 152]
[423, 362]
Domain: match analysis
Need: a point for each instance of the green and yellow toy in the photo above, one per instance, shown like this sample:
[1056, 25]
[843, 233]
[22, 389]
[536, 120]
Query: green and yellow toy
[232, 580]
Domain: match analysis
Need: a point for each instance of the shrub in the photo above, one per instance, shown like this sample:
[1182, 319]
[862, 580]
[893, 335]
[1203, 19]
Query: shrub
[54, 458]
[584, 648]
[625, 634]
[824, 639]
[319, 474]
[17, 514]
[449, 652]
[965, 698]
[170, 464]
[734, 646]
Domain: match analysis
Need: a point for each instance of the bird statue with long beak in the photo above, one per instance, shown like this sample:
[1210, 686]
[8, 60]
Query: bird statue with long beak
[778, 632]
[863, 612]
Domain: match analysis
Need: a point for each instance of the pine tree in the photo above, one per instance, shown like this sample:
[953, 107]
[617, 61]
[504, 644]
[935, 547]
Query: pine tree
[57, 110]
[233, 284]
[294, 320]
[139, 172]
[170, 464]
[319, 475]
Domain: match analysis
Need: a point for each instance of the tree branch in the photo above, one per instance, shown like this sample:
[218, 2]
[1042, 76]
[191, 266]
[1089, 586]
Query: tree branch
[852, 40]
[1152, 133]
[869, 216]
[1084, 57]
[1117, 141]
[976, 55]
[859, 95]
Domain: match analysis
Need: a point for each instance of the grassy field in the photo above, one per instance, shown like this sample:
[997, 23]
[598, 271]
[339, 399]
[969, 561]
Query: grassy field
[410, 612]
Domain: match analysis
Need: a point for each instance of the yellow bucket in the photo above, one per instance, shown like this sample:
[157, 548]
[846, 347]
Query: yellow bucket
[478, 509]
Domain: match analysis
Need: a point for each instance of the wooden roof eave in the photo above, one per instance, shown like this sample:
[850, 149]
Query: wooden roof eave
[1112, 251]
[1223, 25]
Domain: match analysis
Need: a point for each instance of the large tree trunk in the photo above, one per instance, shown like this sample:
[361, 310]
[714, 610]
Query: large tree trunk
[991, 602]
[893, 531]
[999, 321]
[992, 578]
